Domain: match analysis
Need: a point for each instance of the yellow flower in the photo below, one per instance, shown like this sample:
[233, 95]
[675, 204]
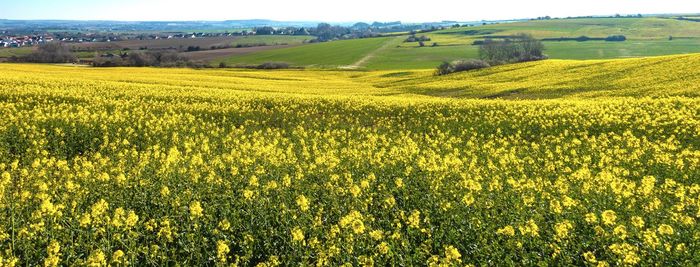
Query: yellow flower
[376, 235]
[53, 255]
[414, 219]
[297, 235]
[650, 238]
[383, 248]
[665, 229]
[118, 257]
[562, 229]
[85, 220]
[222, 251]
[224, 225]
[627, 252]
[389, 202]
[609, 217]
[99, 208]
[591, 218]
[353, 221]
[452, 254]
[647, 185]
[355, 190]
[358, 226]
[638, 222]
[468, 199]
[196, 210]
[96, 259]
[248, 194]
[590, 257]
[681, 247]
[164, 191]
[398, 182]
[530, 228]
[507, 231]
[620, 231]
[131, 219]
[303, 203]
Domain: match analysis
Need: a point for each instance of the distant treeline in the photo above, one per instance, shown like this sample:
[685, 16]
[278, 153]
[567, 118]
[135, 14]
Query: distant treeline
[48, 53]
[689, 19]
[520, 48]
[611, 38]
[327, 32]
[166, 59]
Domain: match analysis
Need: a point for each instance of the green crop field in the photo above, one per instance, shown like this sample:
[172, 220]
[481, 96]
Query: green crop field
[633, 28]
[646, 37]
[329, 54]
[9, 52]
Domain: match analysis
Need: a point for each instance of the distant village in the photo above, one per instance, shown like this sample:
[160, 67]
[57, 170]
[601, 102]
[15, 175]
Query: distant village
[8, 41]
[22, 41]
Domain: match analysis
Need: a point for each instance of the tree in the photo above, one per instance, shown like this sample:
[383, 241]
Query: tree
[265, 30]
[53, 52]
[519, 48]
[301, 31]
[531, 48]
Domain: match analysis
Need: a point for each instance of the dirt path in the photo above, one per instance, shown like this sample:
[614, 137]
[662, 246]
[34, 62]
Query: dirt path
[358, 64]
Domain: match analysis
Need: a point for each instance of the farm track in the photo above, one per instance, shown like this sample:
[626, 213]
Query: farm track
[358, 64]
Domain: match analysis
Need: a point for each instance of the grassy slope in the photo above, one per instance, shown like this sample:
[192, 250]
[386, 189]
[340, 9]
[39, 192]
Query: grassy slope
[636, 77]
[634, 28]
[8, 52]
[654, 76]
[648, 37]
[329, 54]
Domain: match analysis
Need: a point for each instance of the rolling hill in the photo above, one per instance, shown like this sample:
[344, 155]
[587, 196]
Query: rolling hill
[660, 76]
[647, 36]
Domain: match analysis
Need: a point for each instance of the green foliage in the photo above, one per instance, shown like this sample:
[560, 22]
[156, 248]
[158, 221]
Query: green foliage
[519, 48]
[461, 65]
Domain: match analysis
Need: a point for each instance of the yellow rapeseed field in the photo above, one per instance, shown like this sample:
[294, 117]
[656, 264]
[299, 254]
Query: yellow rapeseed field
[166, 167]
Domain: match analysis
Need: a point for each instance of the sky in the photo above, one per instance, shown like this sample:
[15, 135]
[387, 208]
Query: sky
[332, 11]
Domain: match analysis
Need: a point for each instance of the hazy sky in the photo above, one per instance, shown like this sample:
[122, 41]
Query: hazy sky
[335, 11]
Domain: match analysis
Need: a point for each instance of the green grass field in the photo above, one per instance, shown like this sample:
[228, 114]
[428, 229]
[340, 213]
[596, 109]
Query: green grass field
[633, 28]
[646, 37]
[329, 54]
[8, 52]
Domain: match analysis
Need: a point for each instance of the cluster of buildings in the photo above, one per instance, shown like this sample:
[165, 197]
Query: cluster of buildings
[33, 40]
[21, 41]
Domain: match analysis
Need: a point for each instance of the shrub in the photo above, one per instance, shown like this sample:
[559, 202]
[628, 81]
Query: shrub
[518, 48]
[461, 65]
[272, 65]
[50, 53]
[414, 38]
[107, 62]
[616, 38]
[146, 59]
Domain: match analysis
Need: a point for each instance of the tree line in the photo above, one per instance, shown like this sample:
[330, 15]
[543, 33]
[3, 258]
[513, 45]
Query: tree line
[518, 48]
